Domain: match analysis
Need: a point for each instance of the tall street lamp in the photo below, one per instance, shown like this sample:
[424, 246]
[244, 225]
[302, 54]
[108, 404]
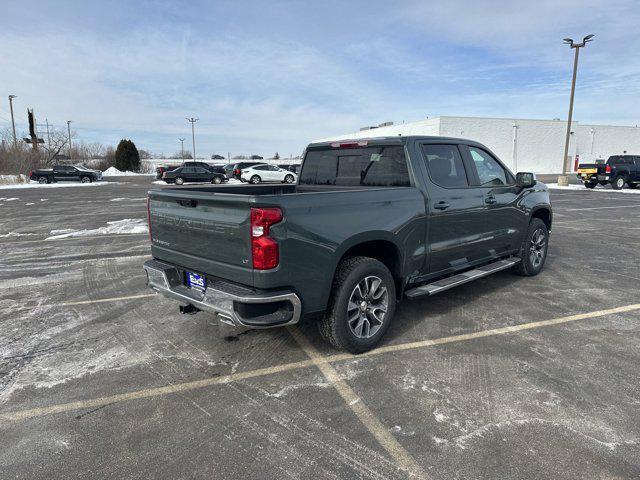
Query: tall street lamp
[564, 178]
[13, 123]
[193, 135]
[182, 148]
[69, 131]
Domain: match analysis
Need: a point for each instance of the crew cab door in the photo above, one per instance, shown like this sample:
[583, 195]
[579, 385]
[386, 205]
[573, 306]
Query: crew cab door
[504, 222]
[455, 210]
[65, 172]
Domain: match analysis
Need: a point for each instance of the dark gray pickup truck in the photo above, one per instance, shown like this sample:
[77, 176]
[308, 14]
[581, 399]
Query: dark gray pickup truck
[370, 222]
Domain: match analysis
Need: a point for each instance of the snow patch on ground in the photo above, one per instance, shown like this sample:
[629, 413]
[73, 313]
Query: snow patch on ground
[16, 234]
[7, 199]
[114, 172]
[599, 188]
[125, 199]
[118, 227]
[56, 185]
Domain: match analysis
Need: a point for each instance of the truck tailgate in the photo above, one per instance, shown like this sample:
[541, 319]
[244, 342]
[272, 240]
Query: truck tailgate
[206, 232]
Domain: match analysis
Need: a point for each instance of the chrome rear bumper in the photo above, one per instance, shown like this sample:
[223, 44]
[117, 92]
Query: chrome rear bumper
[237, 306]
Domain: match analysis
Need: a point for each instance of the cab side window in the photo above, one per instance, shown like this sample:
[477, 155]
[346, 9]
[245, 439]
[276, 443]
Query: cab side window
[445, 165]
[490, 172]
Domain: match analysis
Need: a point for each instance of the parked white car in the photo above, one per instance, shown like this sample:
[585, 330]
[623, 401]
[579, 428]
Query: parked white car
[267, 173]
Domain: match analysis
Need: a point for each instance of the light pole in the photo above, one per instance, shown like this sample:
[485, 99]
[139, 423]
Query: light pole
[563, 179]
[182, 148]
[13, 123]
[193, 134]
[69, 131]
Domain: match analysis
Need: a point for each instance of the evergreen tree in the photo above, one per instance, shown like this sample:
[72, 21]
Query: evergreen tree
[127, 156]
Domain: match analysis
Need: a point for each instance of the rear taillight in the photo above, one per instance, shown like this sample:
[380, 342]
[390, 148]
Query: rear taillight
[149, 217]
[264, 249]
[237, 171]
[30, 173]
[607, 169]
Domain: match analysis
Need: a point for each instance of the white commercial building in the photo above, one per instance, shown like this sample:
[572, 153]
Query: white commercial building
[524, 145]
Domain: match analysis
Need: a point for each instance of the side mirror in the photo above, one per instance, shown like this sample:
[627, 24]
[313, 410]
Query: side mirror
[525, 179]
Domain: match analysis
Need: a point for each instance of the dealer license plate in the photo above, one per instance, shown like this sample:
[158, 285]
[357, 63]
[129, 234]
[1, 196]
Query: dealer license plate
[196, 281]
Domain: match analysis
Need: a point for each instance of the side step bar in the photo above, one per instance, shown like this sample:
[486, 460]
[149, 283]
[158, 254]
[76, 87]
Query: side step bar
[459, 279]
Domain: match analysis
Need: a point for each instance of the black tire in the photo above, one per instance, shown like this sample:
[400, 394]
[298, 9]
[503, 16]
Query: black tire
[255, 179]
[85, 179]
[618, 182]
[179, 181]
[590, 184]
[43, 180]
[527, 266]
[288, 179]
[351, 274]
[633, 185]
[216, 180]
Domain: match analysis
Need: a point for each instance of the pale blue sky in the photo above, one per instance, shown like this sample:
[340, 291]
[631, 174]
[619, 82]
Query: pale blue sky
[273, 75]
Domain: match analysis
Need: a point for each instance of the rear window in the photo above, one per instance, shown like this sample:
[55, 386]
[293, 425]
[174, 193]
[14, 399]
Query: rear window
[370, 166]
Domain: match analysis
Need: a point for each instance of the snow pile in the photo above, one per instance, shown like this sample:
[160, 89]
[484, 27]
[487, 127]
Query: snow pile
[599, 188]
[114, 172]
[8, 199]
[118, 227]
[13, 179]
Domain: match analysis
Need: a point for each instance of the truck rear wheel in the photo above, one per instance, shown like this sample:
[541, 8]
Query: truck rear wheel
[362, 305]
[533, 252]
[43, 180]
[590, 184]
[618, 183]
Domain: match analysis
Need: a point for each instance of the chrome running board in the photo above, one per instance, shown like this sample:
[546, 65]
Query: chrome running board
[460, 278]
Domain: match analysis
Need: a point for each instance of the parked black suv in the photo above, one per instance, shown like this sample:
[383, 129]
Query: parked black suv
[234, 170]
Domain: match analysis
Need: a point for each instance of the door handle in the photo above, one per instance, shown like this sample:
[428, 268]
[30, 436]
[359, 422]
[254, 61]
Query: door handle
[490, 200]
[442, 205]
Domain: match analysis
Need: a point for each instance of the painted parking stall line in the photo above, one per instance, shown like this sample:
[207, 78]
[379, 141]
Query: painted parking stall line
[153, 392]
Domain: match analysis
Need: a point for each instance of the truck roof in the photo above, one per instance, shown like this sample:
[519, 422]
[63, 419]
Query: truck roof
[392, 140]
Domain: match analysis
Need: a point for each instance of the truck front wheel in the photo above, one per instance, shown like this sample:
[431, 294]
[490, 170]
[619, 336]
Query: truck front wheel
[590, 184]
[362, 305]
[533, 252]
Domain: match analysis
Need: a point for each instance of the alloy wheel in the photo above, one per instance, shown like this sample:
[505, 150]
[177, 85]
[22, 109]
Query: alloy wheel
[367, 307]
[537, 247]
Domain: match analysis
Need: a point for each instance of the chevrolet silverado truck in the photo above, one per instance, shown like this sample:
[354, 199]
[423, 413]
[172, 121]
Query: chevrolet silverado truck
[617, 170]
[368, 223]
[65, 173]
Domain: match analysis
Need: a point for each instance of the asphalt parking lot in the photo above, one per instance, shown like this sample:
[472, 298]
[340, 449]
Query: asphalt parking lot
[507, 377]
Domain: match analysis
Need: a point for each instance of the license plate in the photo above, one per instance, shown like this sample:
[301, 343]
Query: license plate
[196, 281]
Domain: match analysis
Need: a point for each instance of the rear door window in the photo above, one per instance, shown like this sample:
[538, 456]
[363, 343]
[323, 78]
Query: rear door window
[379, 166]
[445, 165]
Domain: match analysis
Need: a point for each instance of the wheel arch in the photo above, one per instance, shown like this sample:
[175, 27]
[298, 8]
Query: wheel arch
[545, 214]
[381, 246]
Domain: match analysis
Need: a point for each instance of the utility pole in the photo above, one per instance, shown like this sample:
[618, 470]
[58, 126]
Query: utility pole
[69, 131]
[182, 148]
[13, 122]
[193, 134]
[563, 180]
[46, 124]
